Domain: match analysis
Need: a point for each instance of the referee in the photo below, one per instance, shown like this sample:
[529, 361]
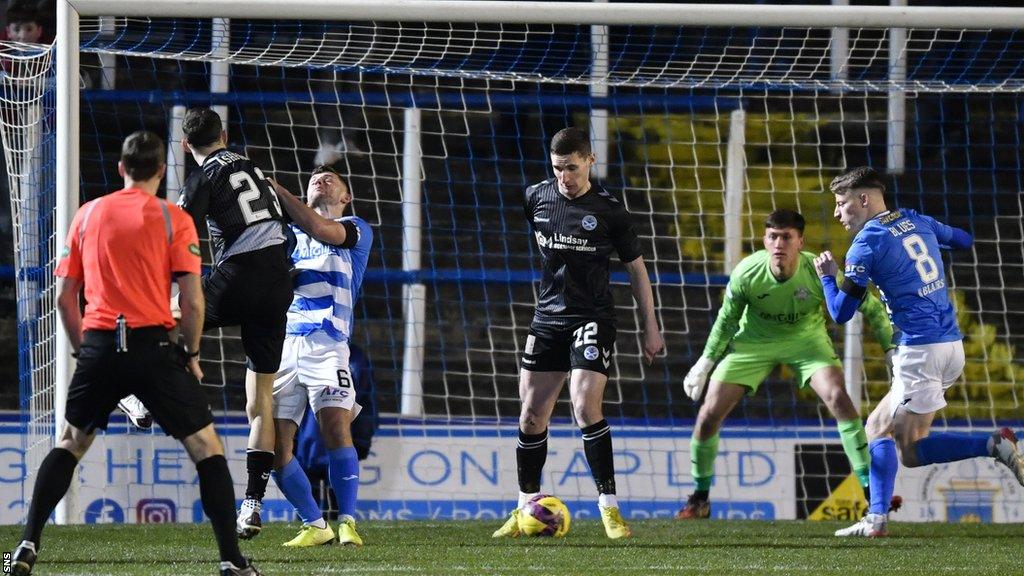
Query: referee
[123, 249]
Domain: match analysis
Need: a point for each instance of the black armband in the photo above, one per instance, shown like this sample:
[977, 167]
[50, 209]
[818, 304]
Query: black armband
[351, 234]
[852, 289]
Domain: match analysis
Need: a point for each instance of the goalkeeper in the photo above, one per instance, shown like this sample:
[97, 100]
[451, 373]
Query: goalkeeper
[773, 314]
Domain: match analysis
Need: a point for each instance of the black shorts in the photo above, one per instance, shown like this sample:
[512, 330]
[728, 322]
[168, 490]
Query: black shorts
[588, 344]
[253, 291]
[152, 368]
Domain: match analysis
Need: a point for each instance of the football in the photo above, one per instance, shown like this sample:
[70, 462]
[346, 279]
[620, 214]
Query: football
[544, 515]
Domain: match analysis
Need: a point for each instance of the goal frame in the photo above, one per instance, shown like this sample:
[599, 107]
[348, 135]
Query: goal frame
[564, 13]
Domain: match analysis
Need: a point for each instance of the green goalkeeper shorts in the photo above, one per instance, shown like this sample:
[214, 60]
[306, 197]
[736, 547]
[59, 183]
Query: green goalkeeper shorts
[748, 364]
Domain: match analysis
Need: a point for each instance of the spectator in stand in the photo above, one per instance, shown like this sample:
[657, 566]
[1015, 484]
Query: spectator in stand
[25, 23]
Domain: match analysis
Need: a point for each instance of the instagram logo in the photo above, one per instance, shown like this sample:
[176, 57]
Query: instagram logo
[155, 511]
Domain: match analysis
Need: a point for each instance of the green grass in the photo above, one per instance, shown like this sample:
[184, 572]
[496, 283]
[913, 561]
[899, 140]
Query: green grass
[658, 547]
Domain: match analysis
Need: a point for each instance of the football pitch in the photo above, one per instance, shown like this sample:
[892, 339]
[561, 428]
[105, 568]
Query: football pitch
[658, 547]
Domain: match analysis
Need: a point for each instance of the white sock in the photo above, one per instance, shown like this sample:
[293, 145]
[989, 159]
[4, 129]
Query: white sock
[344, 517]
[320, 524]
[607, 501]
[28, 544]
[525, 497]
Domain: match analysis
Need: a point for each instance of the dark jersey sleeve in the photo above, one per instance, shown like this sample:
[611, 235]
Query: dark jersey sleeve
[195, 198]
[528, 206]
[623, 236]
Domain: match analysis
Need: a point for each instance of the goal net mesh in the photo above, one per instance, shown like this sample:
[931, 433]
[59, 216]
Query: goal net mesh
[489, 97]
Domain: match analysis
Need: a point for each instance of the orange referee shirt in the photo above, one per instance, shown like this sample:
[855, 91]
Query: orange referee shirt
[125, 247]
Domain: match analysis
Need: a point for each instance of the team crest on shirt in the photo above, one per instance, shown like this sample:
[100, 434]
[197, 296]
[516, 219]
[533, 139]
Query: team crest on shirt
[801, 294]
[590, 353]
[542, 240]
[589, 222]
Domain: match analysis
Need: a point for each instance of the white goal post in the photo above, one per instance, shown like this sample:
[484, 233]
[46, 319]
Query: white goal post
[569, 13]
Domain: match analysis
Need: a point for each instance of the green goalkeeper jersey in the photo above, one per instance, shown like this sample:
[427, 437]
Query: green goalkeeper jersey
[758, 309]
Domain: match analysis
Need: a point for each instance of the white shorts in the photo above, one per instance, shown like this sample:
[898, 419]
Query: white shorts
[921, 375]
[314, 371]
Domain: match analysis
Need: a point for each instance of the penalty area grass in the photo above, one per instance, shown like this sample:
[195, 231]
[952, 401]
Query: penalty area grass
[465, 547]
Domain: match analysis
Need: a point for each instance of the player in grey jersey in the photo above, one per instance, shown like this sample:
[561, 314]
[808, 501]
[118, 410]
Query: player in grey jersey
[250, 285]
[577, 225]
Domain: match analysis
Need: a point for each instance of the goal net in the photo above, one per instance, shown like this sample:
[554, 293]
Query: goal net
[439, 126]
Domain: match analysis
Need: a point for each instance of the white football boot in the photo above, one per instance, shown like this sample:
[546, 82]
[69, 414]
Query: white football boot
[136, 412]
[1003, 447]
[870, 526]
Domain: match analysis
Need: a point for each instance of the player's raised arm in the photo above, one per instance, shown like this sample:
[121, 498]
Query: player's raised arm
[842, 300]
[644, 296]
[872, 308]
[323, 229]
[328, 196]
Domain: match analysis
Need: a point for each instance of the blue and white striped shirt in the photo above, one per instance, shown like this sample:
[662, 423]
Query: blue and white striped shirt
[327, 283]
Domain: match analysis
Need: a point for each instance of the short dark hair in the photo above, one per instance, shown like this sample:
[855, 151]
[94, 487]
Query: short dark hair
[20, 12]
[859, 177]
[784, 218]
[325, 168]
[142, 155]
[201, 126]
[569, 140]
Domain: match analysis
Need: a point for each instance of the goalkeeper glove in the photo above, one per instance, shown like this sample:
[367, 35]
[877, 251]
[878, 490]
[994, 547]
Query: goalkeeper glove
[697, 378]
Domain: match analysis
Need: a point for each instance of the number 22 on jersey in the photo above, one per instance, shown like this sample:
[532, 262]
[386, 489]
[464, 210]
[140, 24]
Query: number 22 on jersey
[249, 192]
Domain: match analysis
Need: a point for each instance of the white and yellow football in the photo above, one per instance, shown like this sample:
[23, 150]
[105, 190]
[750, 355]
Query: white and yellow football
[544, 515]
